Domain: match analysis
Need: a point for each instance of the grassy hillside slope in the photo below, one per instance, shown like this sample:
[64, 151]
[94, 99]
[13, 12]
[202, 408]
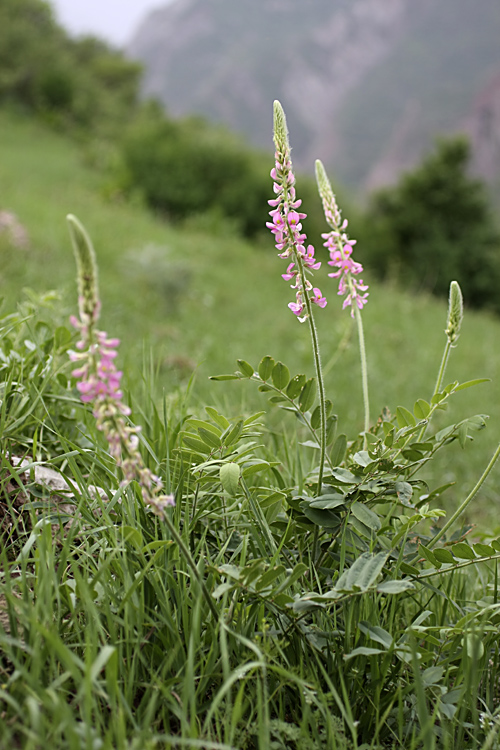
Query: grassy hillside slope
[204, 299]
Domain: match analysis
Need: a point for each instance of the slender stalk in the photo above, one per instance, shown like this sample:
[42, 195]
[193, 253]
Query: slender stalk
[452, 331]
[467, 500]
[442, 369]
[364, 373]
[319, 375]
[439, 381]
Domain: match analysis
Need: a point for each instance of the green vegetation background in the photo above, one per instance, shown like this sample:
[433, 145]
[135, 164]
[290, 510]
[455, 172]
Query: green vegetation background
[202, 297]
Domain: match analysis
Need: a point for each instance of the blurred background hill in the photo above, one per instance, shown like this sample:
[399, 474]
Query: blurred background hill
[366, 83]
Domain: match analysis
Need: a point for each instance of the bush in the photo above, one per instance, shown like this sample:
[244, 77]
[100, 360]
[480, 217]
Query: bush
[187, 167]
[436, 225]
[84, 83]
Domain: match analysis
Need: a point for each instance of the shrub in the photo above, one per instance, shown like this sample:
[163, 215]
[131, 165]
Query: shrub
[435, 224]
[188, 167]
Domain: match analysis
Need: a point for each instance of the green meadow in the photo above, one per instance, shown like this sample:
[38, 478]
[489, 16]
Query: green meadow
[189, 300]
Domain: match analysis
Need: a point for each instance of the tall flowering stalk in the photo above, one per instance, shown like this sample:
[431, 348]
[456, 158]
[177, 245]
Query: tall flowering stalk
[291, 242]
[99, 385]
[99, 380]
[452, 331]
[351, 285]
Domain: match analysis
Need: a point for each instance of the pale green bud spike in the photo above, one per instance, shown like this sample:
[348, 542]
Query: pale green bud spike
[280, 129]
[324, 186]
[455, 312]
[332, 212]
[88, 292]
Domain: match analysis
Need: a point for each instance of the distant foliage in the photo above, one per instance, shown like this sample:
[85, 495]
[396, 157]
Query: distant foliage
[436, 225]
[82, 83]
[188, 167]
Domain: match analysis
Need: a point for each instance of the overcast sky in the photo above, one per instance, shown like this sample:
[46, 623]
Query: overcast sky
[113, 20]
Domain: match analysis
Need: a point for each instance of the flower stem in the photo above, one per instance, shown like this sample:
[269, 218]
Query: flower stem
[319, 376]
[442, 369]
[467, 500]
[364, 373]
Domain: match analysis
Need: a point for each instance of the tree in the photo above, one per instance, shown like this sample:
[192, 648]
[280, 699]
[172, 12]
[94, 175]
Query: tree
[436, 225]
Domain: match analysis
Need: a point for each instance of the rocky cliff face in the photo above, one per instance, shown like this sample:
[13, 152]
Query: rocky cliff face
[365, 83]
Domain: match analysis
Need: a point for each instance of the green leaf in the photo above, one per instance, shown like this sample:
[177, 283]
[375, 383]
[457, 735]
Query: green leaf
[362, 458]
[362, 574]
[269, 576]
[233, 434]
[483, 550]
[193, 443]
[245, 368]
[311, 444]
[132, 535]
[471, 383]
[376, 633]
[421, 409]
[328, 502]
[432, 676]
[295, 386]
[307, 395]
[230, 476]
[224, 377]
[265, 388]
[209, 437]
[462, 435]
[331, 429]
[437, 492]
[253, 418]
[463, 551]
[429, 556]
[405, 417]
[62, 337]
[345, 476]
[395, 587]
[266, 366]
[325, 518]
[366, 516]
[409, 570]
[221, 589]
[339, 449]
[443, 555]
[280, 376]
[360, 527]
[316, 417]
[205, 425]
[363, 651]
[254, 466]
[404, 491]
[216, 417]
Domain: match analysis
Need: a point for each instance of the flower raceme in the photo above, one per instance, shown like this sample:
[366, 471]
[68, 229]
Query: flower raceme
[340, 247]
[99, 380]
[287, 227]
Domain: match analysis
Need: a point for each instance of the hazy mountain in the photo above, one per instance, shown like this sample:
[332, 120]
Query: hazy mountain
[366, 84]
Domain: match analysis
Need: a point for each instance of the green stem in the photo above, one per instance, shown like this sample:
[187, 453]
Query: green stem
[467, 500]
[439, 381]
[442, 369]
[319, 375]
[364, 373]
